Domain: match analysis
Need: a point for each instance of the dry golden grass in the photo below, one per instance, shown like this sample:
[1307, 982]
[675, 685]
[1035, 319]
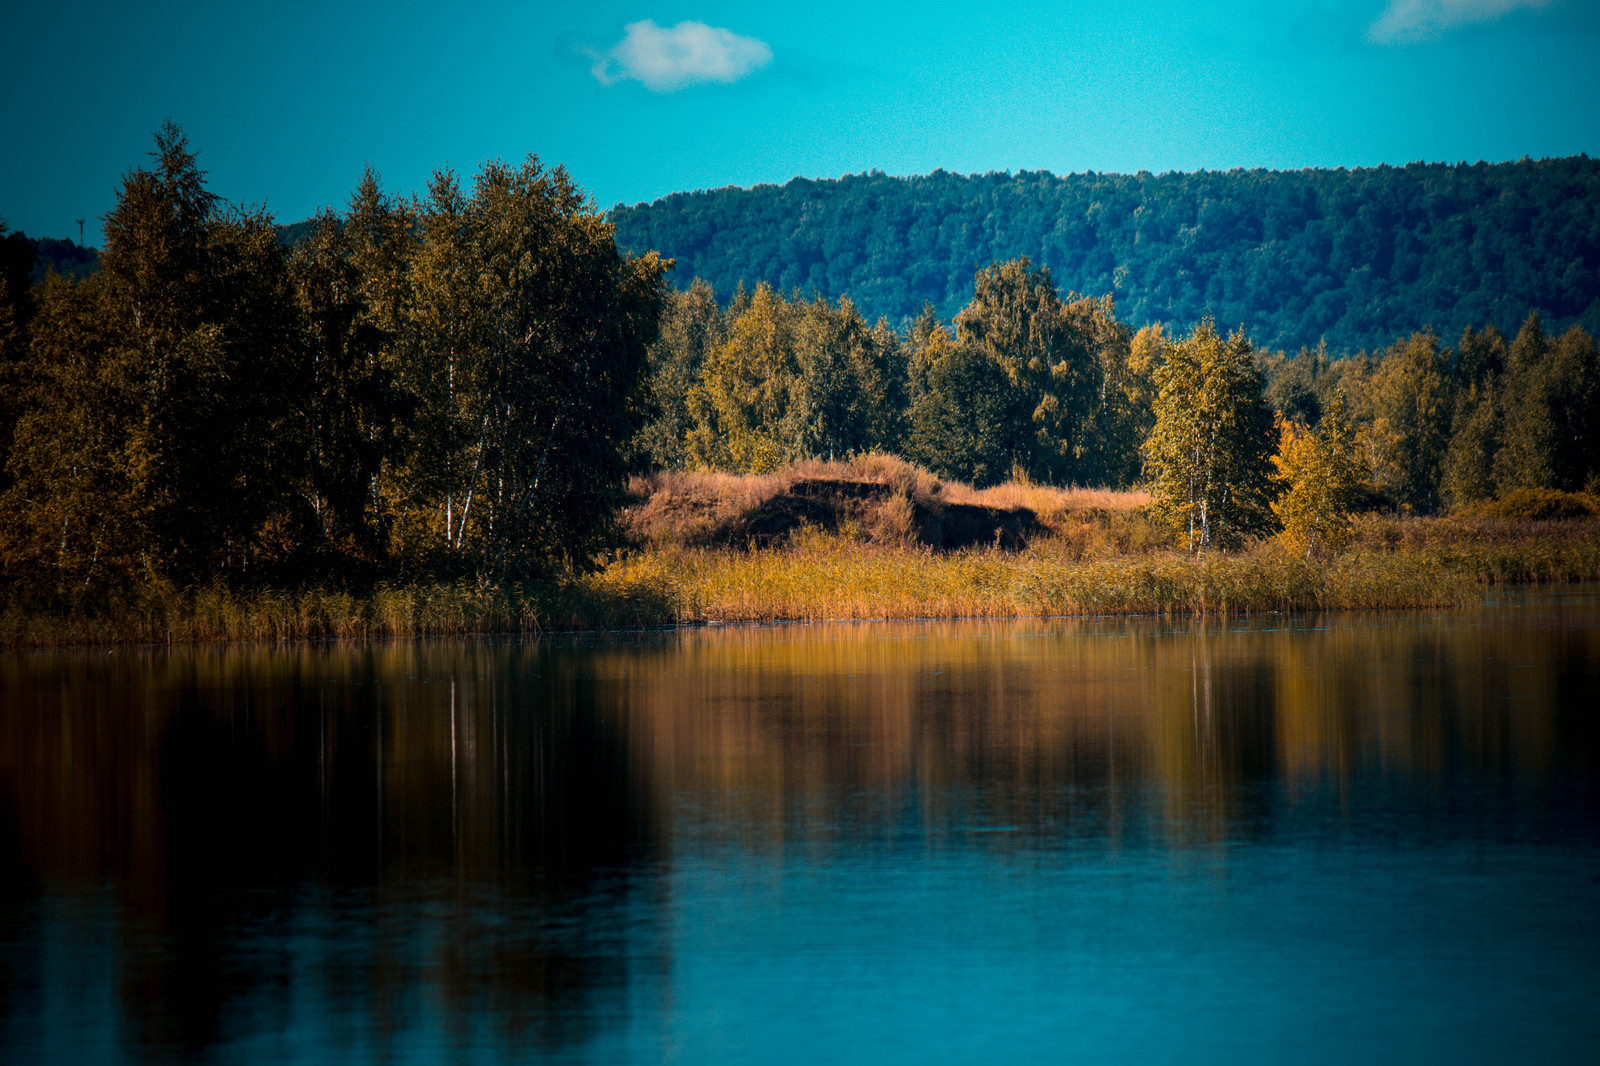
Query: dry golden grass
[820, 576]
[1099, 555]
[688, 508]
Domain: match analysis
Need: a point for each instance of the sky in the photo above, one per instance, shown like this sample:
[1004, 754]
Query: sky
[287, 102]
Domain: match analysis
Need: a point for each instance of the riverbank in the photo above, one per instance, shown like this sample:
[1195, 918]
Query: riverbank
[817, 576]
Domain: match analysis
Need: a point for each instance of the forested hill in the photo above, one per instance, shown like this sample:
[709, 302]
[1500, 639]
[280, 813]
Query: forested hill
[1353, 256]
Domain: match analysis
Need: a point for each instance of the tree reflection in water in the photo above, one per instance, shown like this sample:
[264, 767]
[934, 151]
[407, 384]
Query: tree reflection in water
[432, 838]
[375, 852]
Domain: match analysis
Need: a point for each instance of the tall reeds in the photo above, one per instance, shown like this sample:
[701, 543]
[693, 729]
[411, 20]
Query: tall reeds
[816, 576]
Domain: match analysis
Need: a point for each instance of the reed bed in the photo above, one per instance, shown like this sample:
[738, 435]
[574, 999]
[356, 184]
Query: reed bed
[821, 576]
[165, 615]
[831, 578]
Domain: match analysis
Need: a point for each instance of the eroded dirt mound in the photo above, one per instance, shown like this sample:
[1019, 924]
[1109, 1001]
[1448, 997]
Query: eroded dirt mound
[877, 511]
[964, 525]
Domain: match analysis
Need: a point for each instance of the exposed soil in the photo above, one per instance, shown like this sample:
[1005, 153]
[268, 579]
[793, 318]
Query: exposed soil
[834, 504]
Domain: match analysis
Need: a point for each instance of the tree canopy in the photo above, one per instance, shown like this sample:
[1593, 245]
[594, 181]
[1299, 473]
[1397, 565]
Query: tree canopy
[444, 387]
[1353, 257]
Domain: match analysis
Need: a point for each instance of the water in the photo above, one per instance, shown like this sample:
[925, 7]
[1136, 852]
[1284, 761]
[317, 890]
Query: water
[1346, 838]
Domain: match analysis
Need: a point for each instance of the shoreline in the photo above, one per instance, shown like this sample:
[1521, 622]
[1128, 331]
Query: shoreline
[819, 578]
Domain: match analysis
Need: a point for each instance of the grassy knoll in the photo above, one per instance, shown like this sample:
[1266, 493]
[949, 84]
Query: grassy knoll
[717, 548]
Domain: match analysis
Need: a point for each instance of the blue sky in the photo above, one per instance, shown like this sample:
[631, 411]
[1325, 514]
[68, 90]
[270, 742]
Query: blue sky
[287, 102]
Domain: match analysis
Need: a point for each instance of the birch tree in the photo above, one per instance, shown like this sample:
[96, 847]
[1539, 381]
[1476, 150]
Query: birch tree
[1207, 457]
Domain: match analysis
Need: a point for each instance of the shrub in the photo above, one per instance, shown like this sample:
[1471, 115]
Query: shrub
[1537, 505]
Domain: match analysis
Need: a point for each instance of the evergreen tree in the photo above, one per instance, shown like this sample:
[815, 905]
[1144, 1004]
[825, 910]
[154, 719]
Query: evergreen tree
[1207, 456]
[1468, 470]
[174, 386]
[1480, 355]
[1526, 457]
[70, 515]
[1572, 391]
[355, 408]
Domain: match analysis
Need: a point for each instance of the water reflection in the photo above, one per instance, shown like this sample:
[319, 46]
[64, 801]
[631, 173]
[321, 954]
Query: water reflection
[467, 814]
[417, 851]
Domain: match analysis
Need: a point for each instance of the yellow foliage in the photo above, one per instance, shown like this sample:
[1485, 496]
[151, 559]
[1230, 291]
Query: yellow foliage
[1319, 471]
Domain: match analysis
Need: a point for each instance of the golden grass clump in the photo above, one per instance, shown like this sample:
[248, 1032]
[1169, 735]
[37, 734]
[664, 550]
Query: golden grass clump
[698, 508]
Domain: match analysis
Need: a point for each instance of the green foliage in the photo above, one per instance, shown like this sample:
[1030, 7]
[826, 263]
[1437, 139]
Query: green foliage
[526, 344]
[743, 399]
[1468, 471]
[441, 388]
[355, 406]
[1207, 455]
[1029, 386]
[691, 325]
[1354, 257]
[792, 379]
[1058, 360]
[1408, 401]
[1551, 411]
[963, 413]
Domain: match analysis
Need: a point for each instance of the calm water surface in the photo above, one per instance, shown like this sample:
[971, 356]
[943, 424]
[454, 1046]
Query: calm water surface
[1336, 839]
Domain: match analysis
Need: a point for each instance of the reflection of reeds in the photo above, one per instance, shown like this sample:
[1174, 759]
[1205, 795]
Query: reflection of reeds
[821, 576]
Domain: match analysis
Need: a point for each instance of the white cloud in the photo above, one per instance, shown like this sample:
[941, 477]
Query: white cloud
[1410, 21]
[690, 53]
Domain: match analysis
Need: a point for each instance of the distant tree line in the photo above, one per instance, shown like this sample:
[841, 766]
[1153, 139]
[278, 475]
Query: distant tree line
[1349, 257]
[442, 386]
[1027, 384]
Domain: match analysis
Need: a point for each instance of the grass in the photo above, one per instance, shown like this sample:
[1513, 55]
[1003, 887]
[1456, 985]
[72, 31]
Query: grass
[821, 577]
[1099, 554]
[166, 615]
[677, 508]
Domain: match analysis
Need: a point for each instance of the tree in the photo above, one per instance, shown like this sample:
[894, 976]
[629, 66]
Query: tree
[1050, 357]
[1320, 473]
[1526, 457]
[1552, 411]
[1207, 455]
[961, 414]
[1123, 410]
[1410, 402]
[745, 394]
[70, 518]
[356, 407]
[1467, 474]
[176, 380]
[849, 382]
[528, 344]
[691, 326]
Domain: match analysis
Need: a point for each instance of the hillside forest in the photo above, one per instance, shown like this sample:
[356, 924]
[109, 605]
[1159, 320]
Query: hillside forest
[460, 384]
[1350, 257]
